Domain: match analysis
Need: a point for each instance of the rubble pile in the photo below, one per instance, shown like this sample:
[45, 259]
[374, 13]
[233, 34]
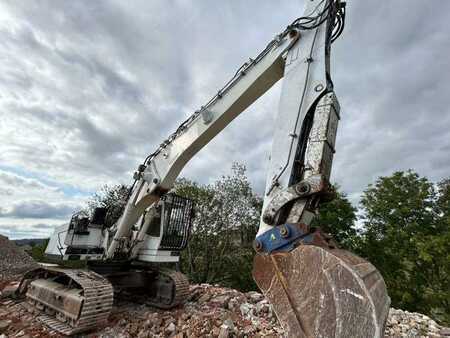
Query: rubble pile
[409, 324]
[13, 260]
[211, 311]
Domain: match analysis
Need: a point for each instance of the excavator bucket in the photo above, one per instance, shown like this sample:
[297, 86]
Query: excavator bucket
[321, 291]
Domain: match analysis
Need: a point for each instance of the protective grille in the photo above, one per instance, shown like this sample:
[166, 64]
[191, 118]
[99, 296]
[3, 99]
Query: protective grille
[177, 220]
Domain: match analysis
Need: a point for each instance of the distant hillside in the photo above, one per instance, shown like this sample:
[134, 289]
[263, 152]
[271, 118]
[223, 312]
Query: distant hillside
[29, 241]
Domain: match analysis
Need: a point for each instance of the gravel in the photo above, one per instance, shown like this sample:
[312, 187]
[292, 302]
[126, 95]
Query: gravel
[13, 260]
[410, 324]
[212, 311]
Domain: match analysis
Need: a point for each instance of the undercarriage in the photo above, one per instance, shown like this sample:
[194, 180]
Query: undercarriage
[71, 301]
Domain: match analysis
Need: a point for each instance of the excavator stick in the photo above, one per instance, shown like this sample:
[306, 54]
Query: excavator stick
[318, 290]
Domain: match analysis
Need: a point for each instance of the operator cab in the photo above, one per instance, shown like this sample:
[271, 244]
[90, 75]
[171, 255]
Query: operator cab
[169, 223]
[85, 236]
[168, 230]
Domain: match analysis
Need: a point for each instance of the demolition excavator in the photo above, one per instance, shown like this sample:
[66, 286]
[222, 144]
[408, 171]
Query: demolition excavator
[316, 288]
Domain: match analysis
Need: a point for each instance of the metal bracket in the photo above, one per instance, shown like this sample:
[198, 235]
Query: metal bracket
[310, 186]
[283, 238]
[207, 115]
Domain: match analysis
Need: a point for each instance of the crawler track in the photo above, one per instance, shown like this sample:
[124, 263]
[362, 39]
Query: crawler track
[179, 290]
[81, 303]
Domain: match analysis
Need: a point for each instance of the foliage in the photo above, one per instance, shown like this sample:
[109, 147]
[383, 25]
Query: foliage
[111, 197]
[227, 216]
[338, 217]
[406, 236]
[38, 250]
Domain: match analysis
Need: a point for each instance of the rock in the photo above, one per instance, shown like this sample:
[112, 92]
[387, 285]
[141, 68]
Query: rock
[233, 304]
[215, 331]
[204, 298]
[170, 320]
[228, 323]
[133, 329]
[194, 295]
[221, 301]
[246, 309]
[263, 307]
[248, 329]
[445, 331]
[224, 332]
[254, 297]
[122, 322]
[9, 290]
[171, 328]
[4, 324]
[143, 334]
[156, 321]
[433, 327]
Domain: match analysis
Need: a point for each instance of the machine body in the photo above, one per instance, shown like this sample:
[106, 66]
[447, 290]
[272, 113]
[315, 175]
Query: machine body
[316, 289]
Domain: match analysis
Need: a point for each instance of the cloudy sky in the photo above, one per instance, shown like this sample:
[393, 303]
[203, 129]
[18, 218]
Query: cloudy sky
[89, 88]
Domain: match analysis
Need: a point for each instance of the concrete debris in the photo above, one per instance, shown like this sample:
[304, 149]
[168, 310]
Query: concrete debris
[13, 260]
[216, 313]
[9, 290]
[410, 324]
[211, 311]
[4, 324]
[227, 313]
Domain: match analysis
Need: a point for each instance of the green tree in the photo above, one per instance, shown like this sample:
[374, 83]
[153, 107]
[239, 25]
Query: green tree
[113, 198]
[38, 250]
[338, 218]
[227, 216]
[443, 202]
[404, 237]
[434, 257]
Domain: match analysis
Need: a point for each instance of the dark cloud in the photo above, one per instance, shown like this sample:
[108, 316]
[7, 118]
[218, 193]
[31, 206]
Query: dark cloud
[90, 88]
[38, 209]
[11, 180]
[42, 226]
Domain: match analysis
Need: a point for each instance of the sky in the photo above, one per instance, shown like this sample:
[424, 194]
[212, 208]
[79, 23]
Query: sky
[89, 88]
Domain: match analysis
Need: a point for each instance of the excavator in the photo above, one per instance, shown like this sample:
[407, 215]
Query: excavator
[316, 289]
